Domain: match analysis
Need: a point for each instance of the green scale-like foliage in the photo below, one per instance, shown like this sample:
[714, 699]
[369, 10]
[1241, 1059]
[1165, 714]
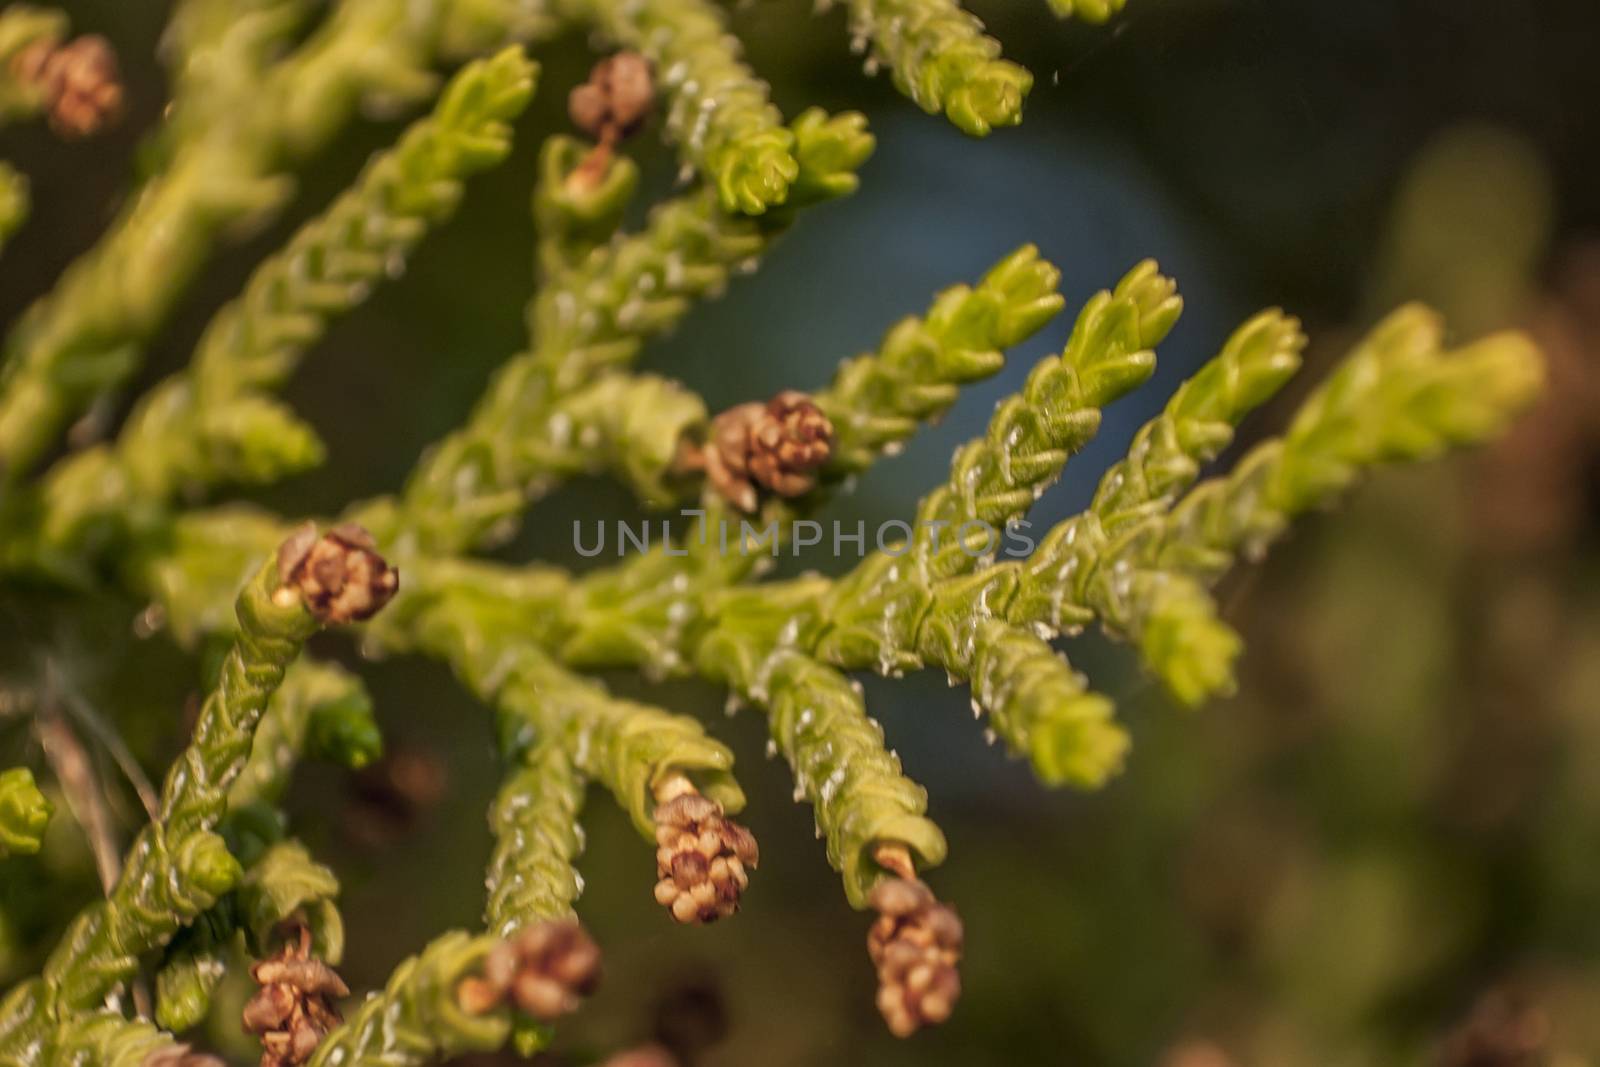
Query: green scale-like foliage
[108, 1039]
[818, 720]
[718, 111]
[877, 400]
[1164, 459]
[281, 881]
[225, 167]
[468, 616]
[1397, 397]
[258, 87]
[644, 611]
[217, 422]
[874, 612]
[24, 813]
[178, 866]
[536, 840]
[942, 60]
[415, 1019]
[319, 709]
[592, 317]
[627, 746]
[1400, 396]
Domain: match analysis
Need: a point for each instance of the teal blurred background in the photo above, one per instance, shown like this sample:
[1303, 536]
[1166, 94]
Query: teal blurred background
[1399, 816]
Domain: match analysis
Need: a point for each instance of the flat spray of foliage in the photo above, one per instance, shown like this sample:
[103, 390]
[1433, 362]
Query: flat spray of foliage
[259, 87]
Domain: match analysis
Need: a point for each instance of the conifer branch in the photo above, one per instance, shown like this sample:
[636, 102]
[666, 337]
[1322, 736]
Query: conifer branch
[216, 52]
[628, 424]
[282, 891]
[639, 611]
[818, 720]
[1035, 700]
[874, 611]
[719, 113]
[575, 219]
[417, 1018]
[457, 995]
[179, 866]
[537, 842]
[256, 91]
[110, 1039]
[532, 875]
[628, 747]
[192, 968]
[943, 61]
[223, 169]
[319, 708]
[876, 401]
[1399, 396]
[634, 750]
[591, 319]
[215, 422]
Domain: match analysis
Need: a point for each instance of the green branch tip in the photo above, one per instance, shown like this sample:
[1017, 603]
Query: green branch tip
[1094, 11]
[943, 61]
[24, 813]
[718, 110]
[876, 401]
[830, 149]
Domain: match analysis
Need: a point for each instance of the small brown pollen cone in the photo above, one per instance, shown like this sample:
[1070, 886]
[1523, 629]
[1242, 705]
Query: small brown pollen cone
[77, 80]
[295, 1007]
[610, 106]
[180, 1056]
[777, 446]
[915, 943]
[340, 576]
[545, 970]
[702, 856]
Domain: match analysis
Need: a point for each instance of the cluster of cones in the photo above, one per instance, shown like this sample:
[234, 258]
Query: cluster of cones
[545, 971]
[76, 81]
[702, 856]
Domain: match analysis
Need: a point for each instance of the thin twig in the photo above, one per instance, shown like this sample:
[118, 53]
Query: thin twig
[81, 787]
[109, 739]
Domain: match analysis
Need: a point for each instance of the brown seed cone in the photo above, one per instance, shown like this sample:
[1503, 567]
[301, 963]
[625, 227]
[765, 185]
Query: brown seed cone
[702, 856]
[340, 576]
[545, 970]
[916, 946]
[78, 81]
[295, 1007]
[778, 445]
[181, 1056]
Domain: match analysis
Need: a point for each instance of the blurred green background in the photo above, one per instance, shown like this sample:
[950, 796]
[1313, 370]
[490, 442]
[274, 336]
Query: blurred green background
[1398, 817]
